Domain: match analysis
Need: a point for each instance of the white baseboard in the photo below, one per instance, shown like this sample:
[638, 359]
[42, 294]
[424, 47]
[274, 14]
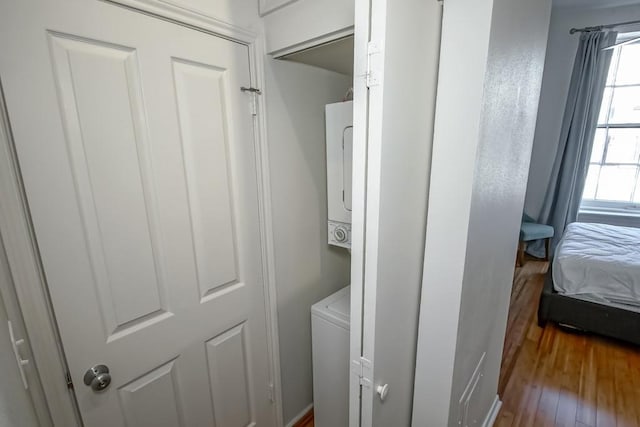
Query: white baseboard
[493, 412]
[490, 419]
[299, 416]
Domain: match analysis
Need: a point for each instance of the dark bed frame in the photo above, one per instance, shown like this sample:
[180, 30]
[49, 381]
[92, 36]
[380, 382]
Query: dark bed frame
[587, 316]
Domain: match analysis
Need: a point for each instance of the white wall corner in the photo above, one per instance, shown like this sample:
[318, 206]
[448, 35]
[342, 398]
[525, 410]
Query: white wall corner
[492, 415]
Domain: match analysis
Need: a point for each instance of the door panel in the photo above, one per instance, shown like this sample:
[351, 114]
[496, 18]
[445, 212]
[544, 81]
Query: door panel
[199, 88]
[153, 399]
[101, 98]
[136, 149]
[228, 373]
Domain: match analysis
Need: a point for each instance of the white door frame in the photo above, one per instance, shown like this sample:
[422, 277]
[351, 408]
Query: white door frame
[24, 265]
[22, 250]
[358, 213]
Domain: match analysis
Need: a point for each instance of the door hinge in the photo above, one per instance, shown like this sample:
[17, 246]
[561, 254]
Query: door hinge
[362, 368]
[272, 393]
[69, 381]
[253, 98]
[16, 343]
[373, 74]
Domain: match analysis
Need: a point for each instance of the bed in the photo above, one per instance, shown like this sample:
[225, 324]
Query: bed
[594, 281]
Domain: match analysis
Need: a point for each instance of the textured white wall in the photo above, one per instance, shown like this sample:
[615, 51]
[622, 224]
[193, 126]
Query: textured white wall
[457, 124]
[561, 51]
[517, 47]
[307, 268]
[481, 153]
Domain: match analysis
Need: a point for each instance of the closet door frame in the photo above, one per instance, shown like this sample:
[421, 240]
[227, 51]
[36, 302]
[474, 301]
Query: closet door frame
[394, 116]
[8, 289]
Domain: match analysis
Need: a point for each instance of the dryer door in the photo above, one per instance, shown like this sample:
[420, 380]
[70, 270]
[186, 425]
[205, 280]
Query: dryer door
[347, 167]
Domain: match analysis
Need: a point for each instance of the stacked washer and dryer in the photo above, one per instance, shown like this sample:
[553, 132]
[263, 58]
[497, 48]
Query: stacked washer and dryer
[339, 137]
[330, 317]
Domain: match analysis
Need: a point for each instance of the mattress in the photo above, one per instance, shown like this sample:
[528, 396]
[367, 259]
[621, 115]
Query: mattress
[599, 263]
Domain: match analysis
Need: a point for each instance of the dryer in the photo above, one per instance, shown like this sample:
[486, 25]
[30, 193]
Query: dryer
[339, 139]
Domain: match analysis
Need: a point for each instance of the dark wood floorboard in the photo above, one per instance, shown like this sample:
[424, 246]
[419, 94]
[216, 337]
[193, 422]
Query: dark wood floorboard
[306, 420]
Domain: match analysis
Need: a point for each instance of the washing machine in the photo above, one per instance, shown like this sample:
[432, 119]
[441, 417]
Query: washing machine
[330, 350]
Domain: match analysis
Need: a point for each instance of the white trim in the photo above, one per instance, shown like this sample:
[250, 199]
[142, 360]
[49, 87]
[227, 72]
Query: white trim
[266, 8]
[24, 262]
[624, 214]
[298, 417]
[256, 53]
[190, 18]
[610, 208]
[374, 141]
[492, 415]
[315, 42]
[612, 218]
[9, 300]
[359, 193]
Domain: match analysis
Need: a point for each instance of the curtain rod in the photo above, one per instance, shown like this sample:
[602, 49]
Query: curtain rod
[601, 27]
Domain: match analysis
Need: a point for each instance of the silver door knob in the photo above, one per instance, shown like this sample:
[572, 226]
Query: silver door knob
[383, 390]
[98, 377]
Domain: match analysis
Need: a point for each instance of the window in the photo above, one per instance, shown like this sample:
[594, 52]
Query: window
[613, 178]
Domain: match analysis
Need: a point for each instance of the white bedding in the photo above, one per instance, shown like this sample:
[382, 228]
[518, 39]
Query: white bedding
[599, 262]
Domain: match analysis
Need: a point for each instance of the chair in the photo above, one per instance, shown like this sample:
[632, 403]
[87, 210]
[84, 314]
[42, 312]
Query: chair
[530, 231]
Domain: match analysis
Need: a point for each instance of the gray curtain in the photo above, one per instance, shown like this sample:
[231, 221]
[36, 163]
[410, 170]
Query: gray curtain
[562, 200]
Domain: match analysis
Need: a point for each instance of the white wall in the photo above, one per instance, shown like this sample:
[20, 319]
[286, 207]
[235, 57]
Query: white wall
[477, 191]
[561, 50]
[512, 89]
[307, 268]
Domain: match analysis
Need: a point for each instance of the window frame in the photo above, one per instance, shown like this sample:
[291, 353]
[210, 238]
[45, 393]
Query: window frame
[619, 207]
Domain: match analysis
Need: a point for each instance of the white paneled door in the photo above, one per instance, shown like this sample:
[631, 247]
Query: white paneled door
[136, 149]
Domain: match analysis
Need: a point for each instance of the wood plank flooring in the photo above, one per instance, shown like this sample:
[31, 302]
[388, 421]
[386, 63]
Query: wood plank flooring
[306, 420]
[552, 377]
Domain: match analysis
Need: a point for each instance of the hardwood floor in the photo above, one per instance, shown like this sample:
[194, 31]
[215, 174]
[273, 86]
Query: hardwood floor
[552, 377]
[306, 420]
